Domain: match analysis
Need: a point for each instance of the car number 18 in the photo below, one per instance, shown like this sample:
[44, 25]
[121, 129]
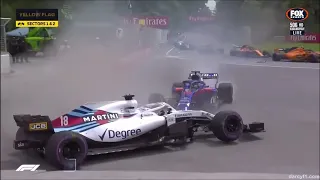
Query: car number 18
[64, 120]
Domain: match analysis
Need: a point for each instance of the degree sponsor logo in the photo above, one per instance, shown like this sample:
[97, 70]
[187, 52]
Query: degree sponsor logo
[120, 134]
[183, 115]
[147, 114]
[297, 14]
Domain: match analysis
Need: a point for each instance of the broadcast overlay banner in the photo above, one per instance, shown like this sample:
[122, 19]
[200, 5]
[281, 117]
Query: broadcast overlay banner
[37, 18]
[37, 15]
[49, 24]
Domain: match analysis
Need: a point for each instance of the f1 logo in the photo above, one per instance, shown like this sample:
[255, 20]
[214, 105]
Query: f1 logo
[28, 167]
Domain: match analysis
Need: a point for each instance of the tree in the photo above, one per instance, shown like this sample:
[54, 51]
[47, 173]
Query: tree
[227, 11]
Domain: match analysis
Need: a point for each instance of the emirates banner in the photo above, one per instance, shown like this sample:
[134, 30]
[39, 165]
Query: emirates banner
[159, 22]
[307, 38]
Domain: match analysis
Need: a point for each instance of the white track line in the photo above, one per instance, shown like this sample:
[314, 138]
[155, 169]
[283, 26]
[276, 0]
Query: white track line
[176, 57]
[273, 66]
[167, 53]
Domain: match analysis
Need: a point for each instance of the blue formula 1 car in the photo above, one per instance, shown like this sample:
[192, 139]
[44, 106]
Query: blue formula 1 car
[194, 93]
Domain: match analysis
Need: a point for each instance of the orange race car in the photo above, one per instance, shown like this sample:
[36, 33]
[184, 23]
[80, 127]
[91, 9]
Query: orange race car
[298, 54]
[248, 51]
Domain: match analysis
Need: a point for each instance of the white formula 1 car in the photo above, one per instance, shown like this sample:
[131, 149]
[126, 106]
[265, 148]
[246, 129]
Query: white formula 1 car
[105, 127]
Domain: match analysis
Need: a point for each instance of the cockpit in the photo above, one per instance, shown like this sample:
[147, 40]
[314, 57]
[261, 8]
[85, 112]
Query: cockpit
[246, 47]
[192, 86]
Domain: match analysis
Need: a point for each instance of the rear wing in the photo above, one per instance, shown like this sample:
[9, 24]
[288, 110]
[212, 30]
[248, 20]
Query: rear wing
[236, 46]
[204, 75]
[33, 123]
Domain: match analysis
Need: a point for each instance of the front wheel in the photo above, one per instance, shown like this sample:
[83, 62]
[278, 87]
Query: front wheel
[266, 53]
[227, 126]
[313, 59]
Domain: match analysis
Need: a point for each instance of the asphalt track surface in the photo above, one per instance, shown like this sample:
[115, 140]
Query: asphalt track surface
[285, 98]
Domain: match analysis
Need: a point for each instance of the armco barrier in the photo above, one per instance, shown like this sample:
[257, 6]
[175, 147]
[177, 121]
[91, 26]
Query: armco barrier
[5, 63]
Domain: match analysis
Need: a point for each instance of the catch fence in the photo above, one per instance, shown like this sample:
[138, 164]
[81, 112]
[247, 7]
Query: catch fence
[4, 22]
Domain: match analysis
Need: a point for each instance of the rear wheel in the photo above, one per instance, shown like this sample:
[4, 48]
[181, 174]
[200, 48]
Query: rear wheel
[227, 126]
[225, 92]
[66, 150]
[276, 57]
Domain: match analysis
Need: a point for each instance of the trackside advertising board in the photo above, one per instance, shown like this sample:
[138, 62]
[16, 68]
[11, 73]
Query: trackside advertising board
[159, 22]
[307, 38]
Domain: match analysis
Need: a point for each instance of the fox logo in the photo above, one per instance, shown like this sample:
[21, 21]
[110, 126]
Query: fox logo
[297, 14]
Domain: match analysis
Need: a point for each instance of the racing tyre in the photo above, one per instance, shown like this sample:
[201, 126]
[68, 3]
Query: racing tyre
[156, 97]
[227, 126]
[313, 59]
[176, 85]
[66, 150]
[225, 92]
[276, 57]
[266, 54]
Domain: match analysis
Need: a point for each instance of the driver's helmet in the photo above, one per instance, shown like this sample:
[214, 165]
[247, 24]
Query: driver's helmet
[187, 86]
[195, 77]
